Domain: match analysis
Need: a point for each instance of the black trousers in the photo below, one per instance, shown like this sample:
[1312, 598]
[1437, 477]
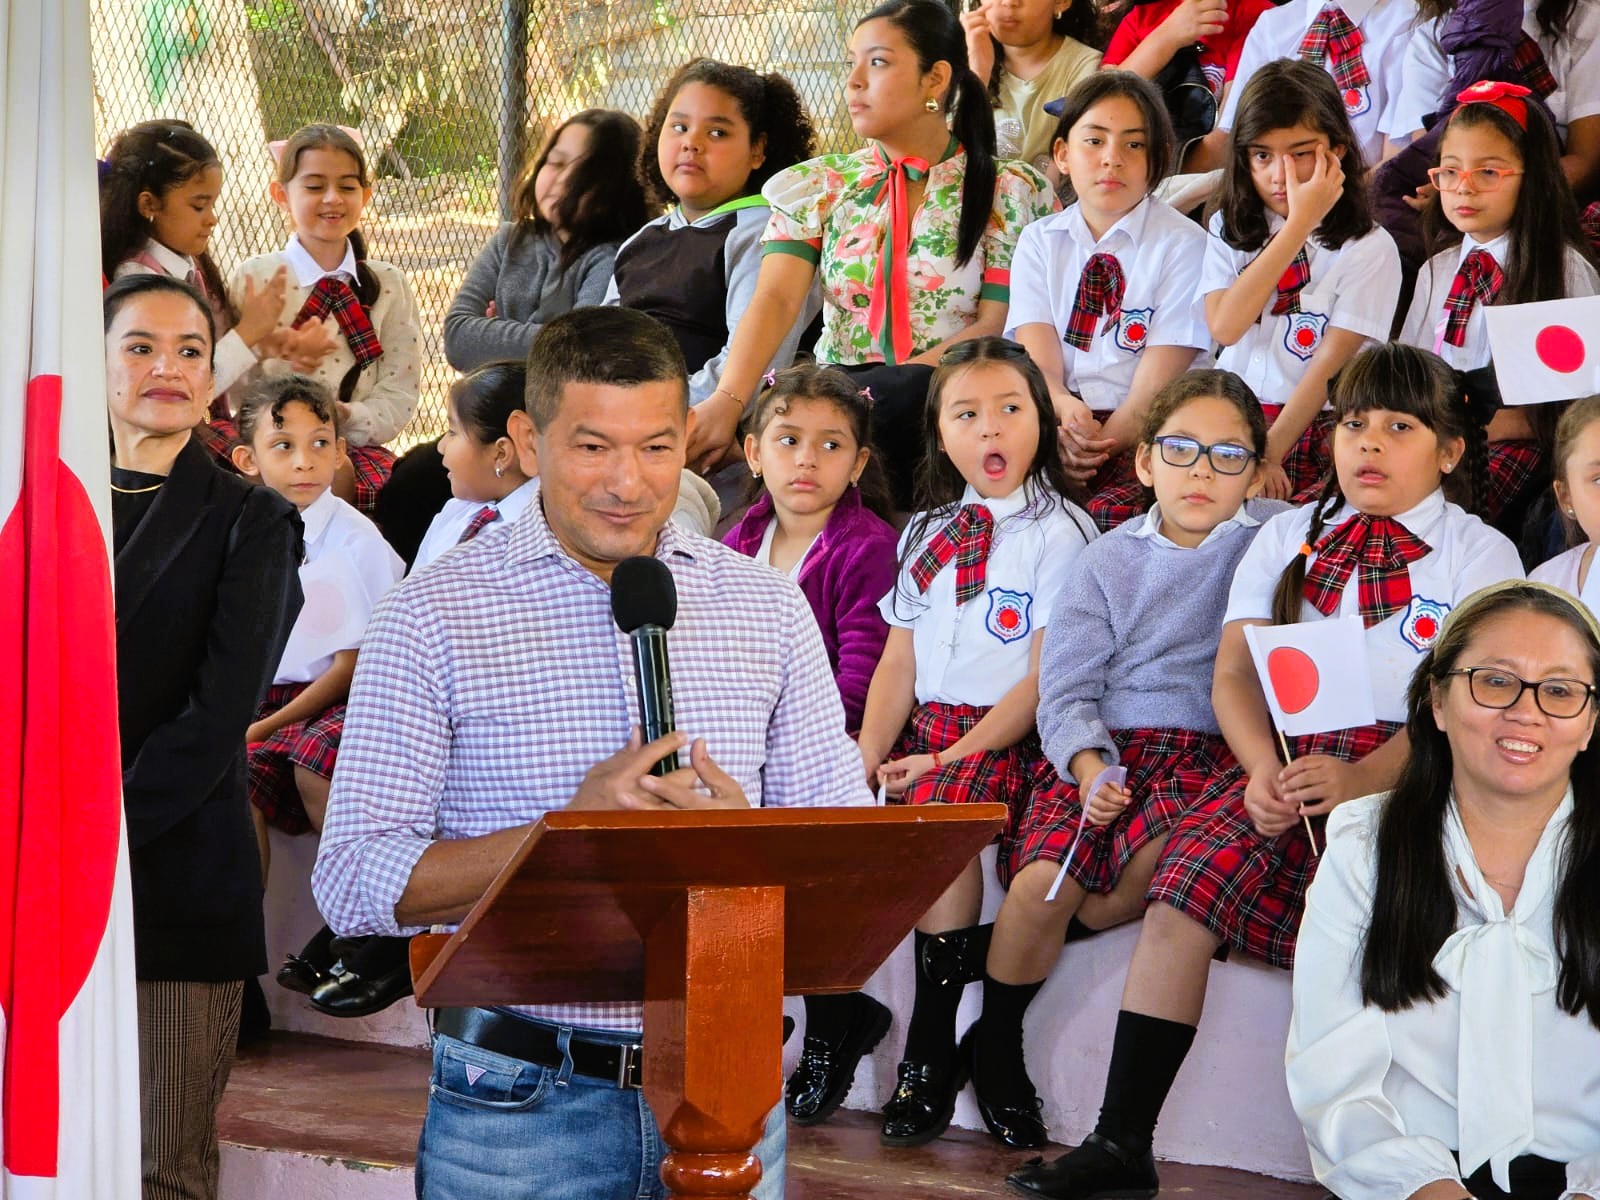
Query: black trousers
[899, 422]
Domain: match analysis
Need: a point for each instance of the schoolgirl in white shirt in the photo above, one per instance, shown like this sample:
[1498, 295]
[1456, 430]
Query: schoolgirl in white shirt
[487, 485]
[1445, 1043]
[1383, 543]
[1367, 82]
[1506, 231]
[1104, 295]
[950, 711]
[1297, 275]
[373, 366]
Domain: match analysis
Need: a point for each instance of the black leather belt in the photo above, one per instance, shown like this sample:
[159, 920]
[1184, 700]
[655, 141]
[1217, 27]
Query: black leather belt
[535, 1042]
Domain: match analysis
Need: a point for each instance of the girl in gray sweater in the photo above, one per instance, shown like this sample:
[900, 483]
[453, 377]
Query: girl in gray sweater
[1124, 680]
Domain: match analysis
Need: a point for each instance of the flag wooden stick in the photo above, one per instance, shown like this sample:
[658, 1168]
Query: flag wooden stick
[1289, 758]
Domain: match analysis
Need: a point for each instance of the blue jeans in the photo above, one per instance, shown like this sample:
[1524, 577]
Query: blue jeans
[499, 1128]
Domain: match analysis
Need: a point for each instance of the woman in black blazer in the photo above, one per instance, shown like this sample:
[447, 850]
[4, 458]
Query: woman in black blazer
[207, 589]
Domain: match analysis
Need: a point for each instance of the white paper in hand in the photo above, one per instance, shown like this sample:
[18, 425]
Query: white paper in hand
[1546, 351]
[1116, 775]
[1316, 674]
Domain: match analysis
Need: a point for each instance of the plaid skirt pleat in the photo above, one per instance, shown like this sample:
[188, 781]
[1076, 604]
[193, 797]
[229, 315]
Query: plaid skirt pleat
[1247, 889]
[312, 744]
[1117, 504]
[1512, 466]
[372, 465]
[1167, 771]
[1310, 459]
[1008, 776]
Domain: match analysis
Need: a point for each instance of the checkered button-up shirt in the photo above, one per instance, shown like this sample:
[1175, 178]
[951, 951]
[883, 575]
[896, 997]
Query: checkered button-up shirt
[490, 684]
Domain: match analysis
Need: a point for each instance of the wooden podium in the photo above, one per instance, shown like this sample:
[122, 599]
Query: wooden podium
[710, 917]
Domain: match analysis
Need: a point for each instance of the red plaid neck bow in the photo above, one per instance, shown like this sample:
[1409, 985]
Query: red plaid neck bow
[966, 538]
[1334, 40]
[1477, 281]
[1099, 295]
[889, 311]
[484, 517]
[1380, 550]
[1292, 283]
[332, 296]
[1529, 61]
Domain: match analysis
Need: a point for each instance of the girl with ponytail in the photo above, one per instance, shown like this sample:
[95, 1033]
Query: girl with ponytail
[911, 236]
[372, 362]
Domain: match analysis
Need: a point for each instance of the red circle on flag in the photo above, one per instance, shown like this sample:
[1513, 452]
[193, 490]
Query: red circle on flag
[1294, 678]
[1559, 348]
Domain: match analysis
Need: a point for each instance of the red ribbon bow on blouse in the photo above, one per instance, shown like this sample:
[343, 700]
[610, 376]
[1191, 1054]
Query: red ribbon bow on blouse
[889, 313]
[1292, 282]
[1379, 550]
[1333, 38]
[967, 539]
[1477, 281]
[1100, 289]
[333, 295]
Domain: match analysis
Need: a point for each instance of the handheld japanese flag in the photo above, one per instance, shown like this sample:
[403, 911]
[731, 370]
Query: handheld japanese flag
[1546, 351]
[69, 1104]
[1315, 674]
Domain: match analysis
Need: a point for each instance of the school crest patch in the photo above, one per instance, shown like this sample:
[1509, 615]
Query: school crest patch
[1133, 328]
[1302, 333]
[1356, 101]
[1010, 614]
[1421, 624]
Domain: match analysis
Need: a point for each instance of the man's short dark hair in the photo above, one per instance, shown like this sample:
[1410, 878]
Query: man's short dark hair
[618, 346]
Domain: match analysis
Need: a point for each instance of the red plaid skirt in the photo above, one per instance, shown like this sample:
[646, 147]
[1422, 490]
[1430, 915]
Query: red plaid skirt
[1249, 890]
[373, 465]
[1310, 459]
[219, 436]
[312, 744]
[1512, 465]
[1115, 494]
[1008, 777]
[1167, 771]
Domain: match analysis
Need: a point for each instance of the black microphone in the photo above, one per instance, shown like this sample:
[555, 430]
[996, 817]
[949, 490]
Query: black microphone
[644, 604]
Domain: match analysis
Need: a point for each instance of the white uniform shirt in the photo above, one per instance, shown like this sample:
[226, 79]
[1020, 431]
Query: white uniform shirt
[1425, 319]
[1355, 287]
[1466, 555]
[347, 569]
[446, 528]
[385, 393]
[1385, 27]
[978, 652]
[1562, 570]
[1574, 62]
[1160, 251]
[232, 357]
[1494, 1069]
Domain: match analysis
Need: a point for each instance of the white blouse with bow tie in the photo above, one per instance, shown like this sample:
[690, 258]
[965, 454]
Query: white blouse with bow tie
[1494, 1070]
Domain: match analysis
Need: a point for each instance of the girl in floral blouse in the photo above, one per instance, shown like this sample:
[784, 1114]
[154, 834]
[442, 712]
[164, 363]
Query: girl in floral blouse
[912, 234]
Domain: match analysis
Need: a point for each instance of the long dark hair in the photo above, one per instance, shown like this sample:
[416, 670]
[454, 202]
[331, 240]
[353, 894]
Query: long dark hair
[1107, 83]
[154, 157]
[936, 36]
[1552, 15]
[603, 201]
[770, 106]
[485, 398]
[331, 137]
[1279, 95]
[1403, 379]
[1413, 905]
[1080, 21]
[1544, 224]
[824, 385]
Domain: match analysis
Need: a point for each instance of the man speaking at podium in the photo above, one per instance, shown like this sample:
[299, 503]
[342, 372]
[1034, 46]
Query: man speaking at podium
[493, 688]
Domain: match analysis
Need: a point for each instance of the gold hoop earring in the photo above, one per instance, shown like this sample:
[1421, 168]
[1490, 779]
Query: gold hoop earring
[931, 104]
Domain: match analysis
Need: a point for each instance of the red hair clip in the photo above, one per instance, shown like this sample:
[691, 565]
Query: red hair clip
[1509, 98]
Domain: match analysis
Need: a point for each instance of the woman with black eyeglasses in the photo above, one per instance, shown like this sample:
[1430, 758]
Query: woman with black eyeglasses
[1446, 1033]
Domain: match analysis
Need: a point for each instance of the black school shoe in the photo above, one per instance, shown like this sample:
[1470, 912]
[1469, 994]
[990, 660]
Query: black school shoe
[826, 1070]
[375, 974]
[1097, 1170]
[1013, 1118]
[923, 1102]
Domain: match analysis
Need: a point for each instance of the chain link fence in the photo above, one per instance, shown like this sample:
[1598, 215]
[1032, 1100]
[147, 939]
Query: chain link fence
[451, 97]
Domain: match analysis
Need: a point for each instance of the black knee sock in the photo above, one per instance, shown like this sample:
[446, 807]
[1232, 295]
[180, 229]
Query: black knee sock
[999, 1063]
[829, 1017]
[1145, 1058]
[931, 1033]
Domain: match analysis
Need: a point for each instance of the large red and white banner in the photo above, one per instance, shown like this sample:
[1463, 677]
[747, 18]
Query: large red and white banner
[69, 1100]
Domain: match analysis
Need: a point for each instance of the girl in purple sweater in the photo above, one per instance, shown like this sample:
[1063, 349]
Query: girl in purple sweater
[818, 517]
